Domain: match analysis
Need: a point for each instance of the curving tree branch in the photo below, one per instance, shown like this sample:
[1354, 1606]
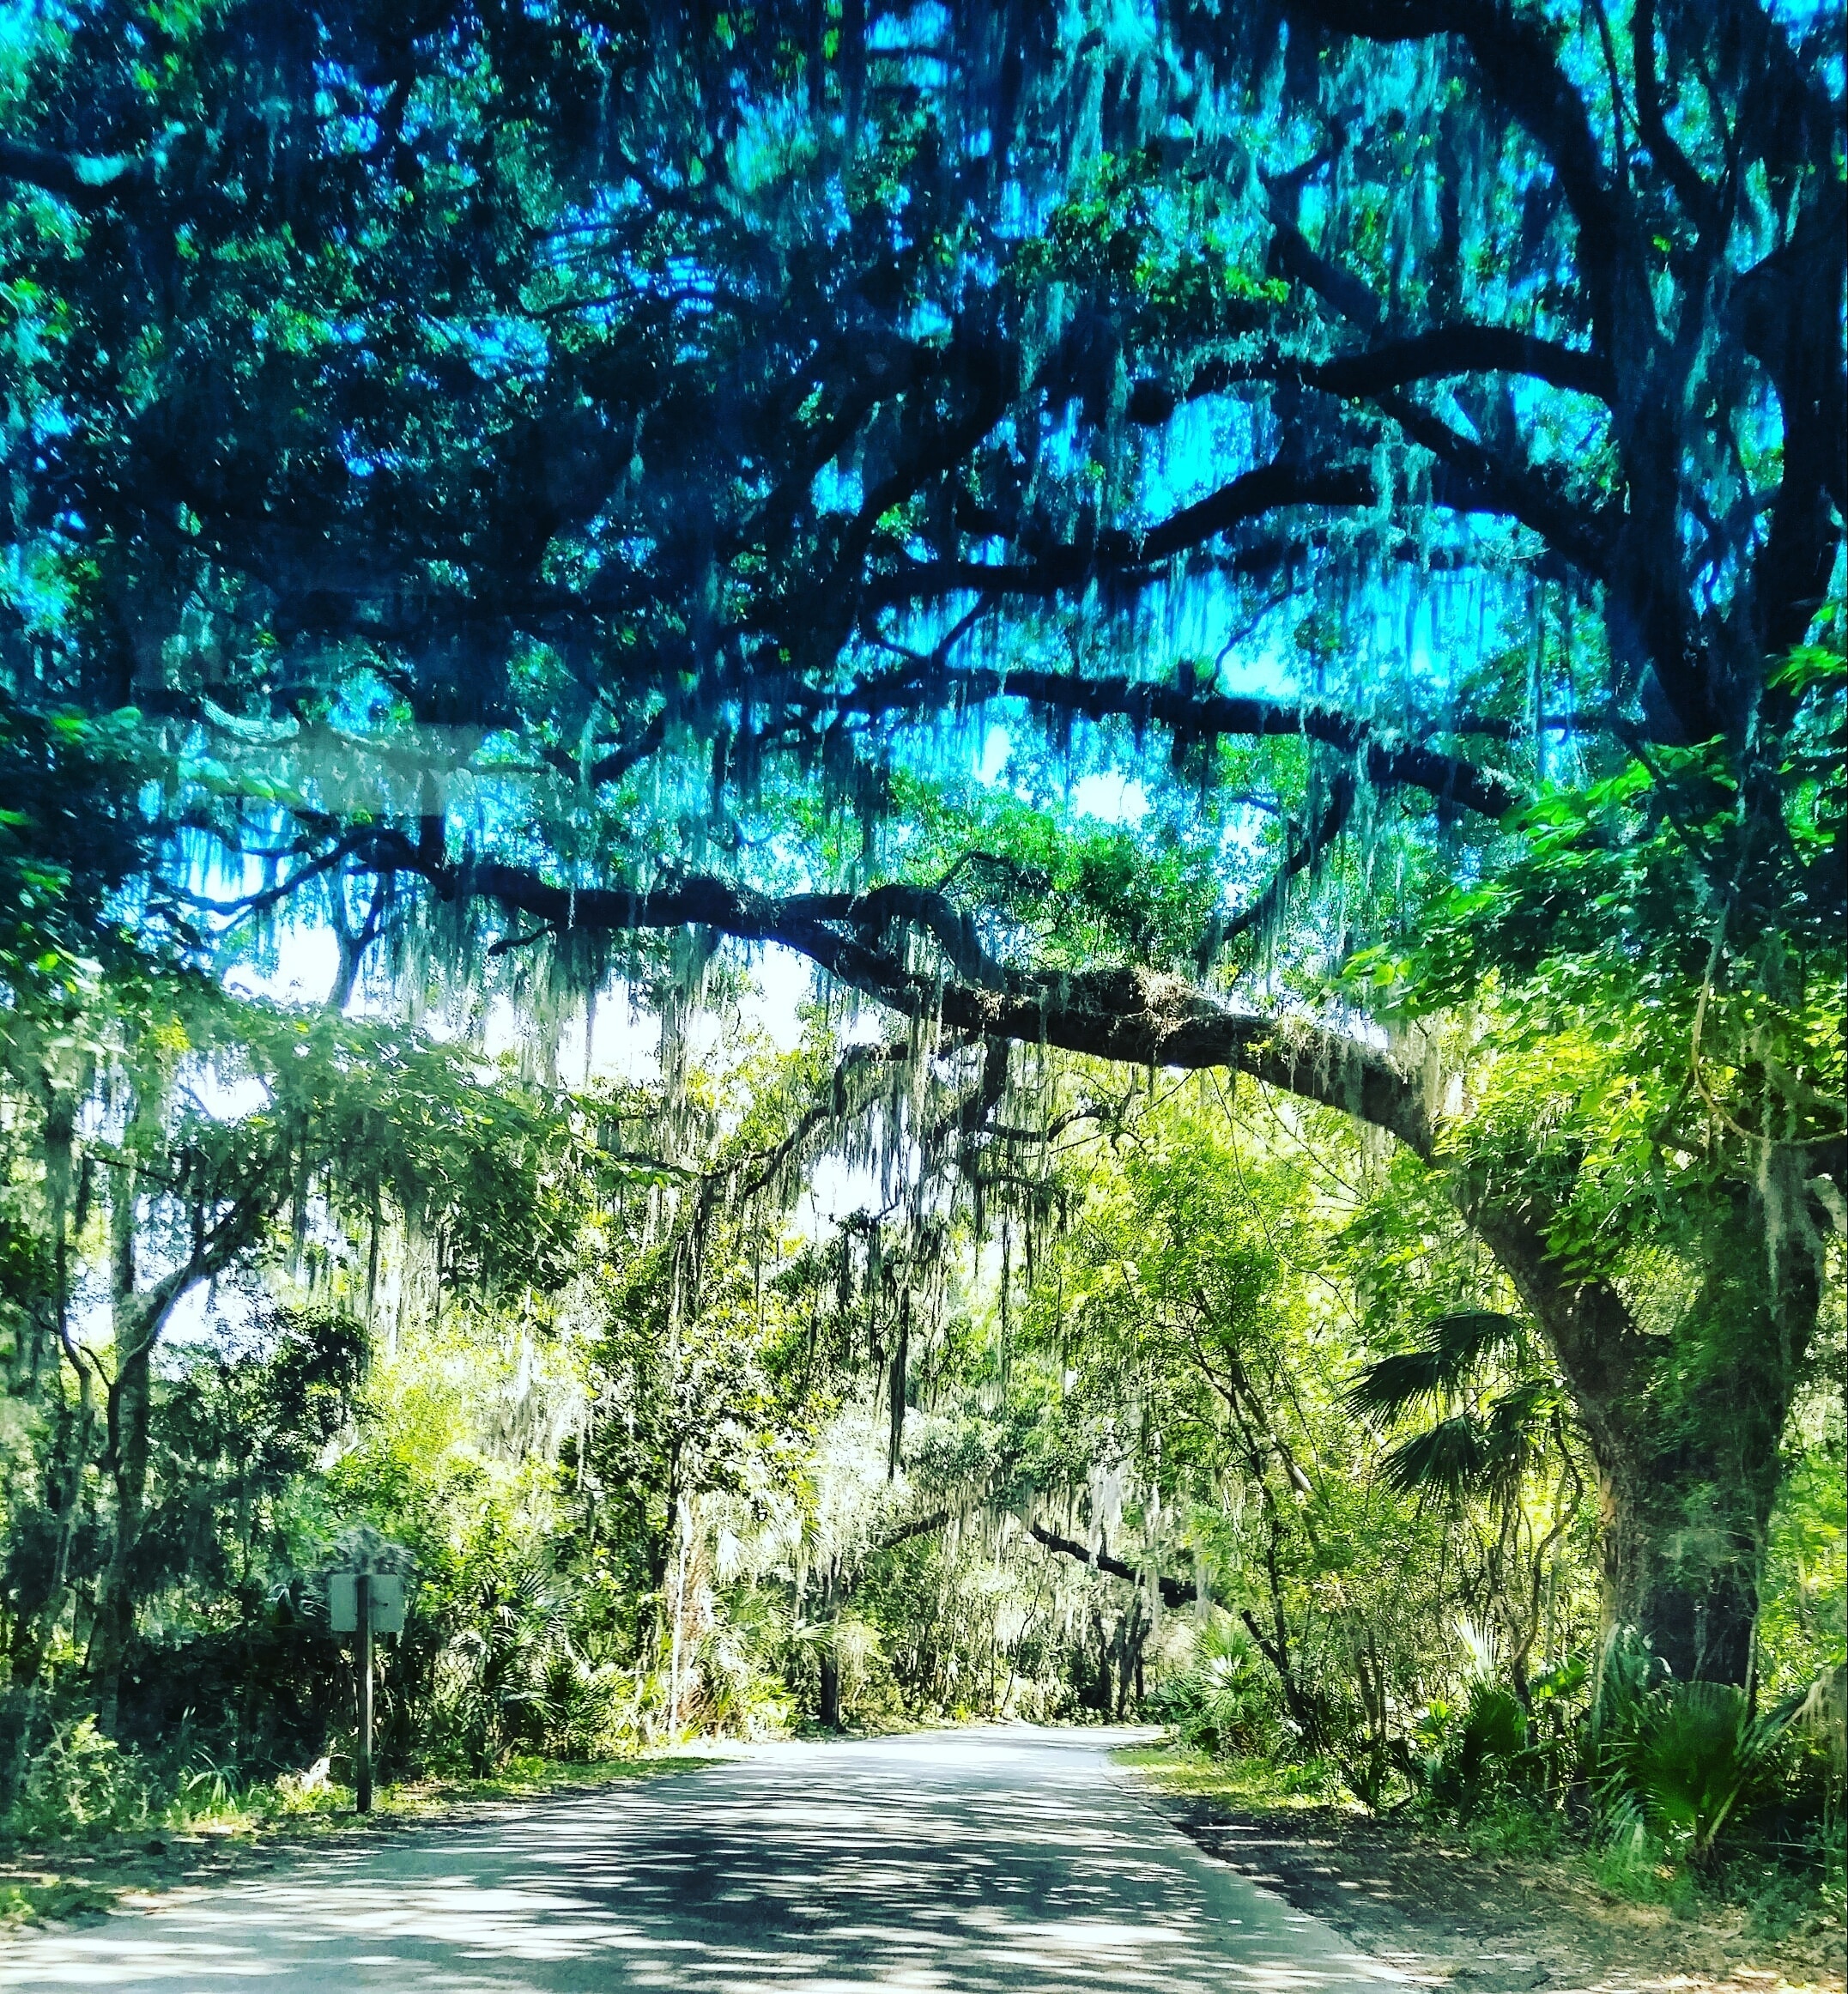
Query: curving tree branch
[1130, 1015]
[1441, 351]
[1175, 1592]
[84, 181]
[1513, 50]
[1304, 856]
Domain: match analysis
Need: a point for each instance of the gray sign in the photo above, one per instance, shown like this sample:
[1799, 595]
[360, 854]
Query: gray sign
[387, 1590]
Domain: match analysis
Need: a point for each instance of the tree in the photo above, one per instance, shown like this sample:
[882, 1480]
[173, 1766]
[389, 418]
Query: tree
[700, 413]
[132, 1130]
[1233, 1285]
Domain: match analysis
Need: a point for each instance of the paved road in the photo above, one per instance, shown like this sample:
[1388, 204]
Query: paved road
[956, 1862]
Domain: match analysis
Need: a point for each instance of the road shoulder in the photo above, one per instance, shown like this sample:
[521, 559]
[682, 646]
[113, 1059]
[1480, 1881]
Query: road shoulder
[52, 1886]
[1447, 1915]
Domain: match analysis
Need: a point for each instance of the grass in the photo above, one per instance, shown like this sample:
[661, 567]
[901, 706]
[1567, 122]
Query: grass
[1258, 1784]
[71, 1877]
[1763, 1902]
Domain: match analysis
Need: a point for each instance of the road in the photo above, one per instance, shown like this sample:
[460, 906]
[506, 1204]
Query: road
[957, 1862]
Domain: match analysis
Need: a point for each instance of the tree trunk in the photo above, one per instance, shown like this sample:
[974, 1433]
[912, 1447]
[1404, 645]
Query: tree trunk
[1692, 1592]
[900, 1365]
[1685, 1428]
[140, 1317]
[1687, 1503]
[828, 1657]
[114, 1625]
[127, 1412]
[35, 1637]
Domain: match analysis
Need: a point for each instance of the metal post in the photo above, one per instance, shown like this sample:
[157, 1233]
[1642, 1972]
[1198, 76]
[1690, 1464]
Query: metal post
[363, 1588]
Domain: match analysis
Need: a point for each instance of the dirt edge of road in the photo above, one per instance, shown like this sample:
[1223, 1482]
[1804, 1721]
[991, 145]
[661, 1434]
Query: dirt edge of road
[1444, 1915]
[54, 1884]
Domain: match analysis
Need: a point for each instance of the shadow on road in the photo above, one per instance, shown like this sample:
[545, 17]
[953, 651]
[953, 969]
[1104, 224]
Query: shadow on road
[964, 1861]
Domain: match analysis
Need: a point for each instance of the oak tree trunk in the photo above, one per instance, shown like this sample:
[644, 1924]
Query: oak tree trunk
[1689, 1488]
[1685, 1427]
[828, 1657]
[114, 1625]
[128, 1408]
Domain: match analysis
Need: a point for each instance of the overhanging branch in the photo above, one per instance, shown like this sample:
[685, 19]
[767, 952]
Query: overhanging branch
[1302, 857]
[1442, 351]
[1131, 1016]
[1513, 52]
[927, 685]
[84, 182]
[1175, 1592]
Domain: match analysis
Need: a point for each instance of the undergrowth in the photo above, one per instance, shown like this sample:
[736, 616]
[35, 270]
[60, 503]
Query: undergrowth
[60, 1871]
[1775, 1892]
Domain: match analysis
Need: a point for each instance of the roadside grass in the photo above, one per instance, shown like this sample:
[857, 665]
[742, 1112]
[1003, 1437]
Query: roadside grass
[55, 1879]
[1261, 1785]
[1753, 1901]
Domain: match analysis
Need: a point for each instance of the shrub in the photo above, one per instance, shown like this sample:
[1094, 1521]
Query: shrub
[1222, 1704]
[1464, 1754]
[81, 1782]
[1692, 1758]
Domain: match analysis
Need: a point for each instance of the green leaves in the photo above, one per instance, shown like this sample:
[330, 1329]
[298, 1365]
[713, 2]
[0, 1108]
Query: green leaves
[71, 837]
[1683, 1758]
[1480, 1362]
[1453, 1348]
[1077, 896]
[1810, 668]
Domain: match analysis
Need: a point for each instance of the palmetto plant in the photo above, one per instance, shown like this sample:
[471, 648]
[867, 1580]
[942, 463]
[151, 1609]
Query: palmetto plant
[500, 1671]
[1223, 1702]
[1479, 1371]
[1678, 1759]
[1462, 1752]
[1494, 1419]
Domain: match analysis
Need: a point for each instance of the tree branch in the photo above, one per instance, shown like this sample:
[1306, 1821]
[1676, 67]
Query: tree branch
[1514, 51]
[84, 182]
[1480, 483]
[1518, 491]
[1132, 1016]
[1694, 194]
[1175, 1592]
[1389, 764]
[822, 1114]
[903, 1535]
[1308, 853]
[925, 684]
[1443, 350]
[1119, 550]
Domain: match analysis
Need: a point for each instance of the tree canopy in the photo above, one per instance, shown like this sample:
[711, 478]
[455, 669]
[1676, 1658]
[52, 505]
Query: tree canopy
[1301, 546]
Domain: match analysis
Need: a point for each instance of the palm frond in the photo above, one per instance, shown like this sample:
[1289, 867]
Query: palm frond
[1387, 1387]
[1452, 1459]
[1451, 1349]
[1464, 1340]
[1472, 1453]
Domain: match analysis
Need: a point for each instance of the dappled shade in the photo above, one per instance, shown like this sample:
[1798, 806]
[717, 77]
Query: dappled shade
[982, 1861]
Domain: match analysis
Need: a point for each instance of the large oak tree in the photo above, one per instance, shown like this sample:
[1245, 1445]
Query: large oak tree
[563, 477]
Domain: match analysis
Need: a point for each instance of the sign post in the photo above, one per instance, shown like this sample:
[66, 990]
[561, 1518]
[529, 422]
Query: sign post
[362, 1772]
[364, 1602]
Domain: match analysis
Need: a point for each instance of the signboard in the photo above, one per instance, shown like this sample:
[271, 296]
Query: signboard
[364, 1601]
[387, 1591]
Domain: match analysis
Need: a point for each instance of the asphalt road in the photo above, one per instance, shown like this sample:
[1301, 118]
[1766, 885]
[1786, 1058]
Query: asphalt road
[957, 1861]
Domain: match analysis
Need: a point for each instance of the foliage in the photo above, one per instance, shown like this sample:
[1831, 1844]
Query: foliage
[1220, 1703]
[1463, 1753]
[81, 1782]
[1261, 584]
